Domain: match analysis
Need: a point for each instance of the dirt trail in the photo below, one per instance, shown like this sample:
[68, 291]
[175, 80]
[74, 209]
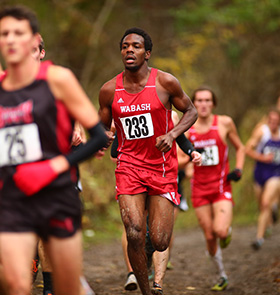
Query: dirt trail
[249, 272]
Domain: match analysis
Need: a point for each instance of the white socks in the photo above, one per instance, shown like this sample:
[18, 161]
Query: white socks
[218, 261]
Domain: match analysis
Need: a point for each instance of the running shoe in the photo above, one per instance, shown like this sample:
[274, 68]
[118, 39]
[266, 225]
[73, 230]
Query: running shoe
[156, 289]
[225, 242]
[257, 244]
[183, 205]
[86, 286]
[169, 265]
[221, 285]
[131, 282]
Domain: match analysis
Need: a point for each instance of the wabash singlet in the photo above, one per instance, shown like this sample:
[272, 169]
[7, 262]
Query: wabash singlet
[140, 118]
[210, 177]
[267, 145]
[34, 126]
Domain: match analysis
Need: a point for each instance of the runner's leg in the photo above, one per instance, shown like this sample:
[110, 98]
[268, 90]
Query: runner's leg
[46, 268]
[132, 209]
[66, 260]
[161, 221]
[269, 196]
[160, 260]
[222, 211]
[124, 248]
[17, 251]
[131, 282]
[204, 216]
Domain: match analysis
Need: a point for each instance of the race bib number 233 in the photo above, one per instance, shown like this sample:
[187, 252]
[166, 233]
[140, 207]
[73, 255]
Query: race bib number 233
[140, 126]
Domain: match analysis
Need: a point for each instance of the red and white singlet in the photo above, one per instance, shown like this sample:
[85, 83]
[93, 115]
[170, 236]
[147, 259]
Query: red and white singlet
[140, 118]
[210, 177]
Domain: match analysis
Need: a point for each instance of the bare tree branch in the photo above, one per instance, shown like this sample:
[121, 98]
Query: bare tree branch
[93, 41]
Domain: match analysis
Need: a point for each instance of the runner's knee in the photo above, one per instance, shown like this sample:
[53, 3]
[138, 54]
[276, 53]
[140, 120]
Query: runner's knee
[265, 205]
[20, 286]
[135, 236]
[160, 241]
[221, 232]
[210, 236]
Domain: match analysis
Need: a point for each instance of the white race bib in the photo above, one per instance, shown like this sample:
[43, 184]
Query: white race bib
[210, 156]
[275, 151]
[140, 126]
[20, 144]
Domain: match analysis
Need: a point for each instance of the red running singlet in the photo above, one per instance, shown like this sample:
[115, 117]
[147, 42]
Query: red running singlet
[210, 177]
[139, 119]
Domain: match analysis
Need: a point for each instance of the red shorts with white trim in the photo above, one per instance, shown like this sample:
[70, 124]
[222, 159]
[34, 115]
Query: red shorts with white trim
[198, 200]
[131, 181]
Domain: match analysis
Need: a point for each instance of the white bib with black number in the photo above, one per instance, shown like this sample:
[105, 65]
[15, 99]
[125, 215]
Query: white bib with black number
[275, 150]
[140, 126]
[210, 156]
[20, 144]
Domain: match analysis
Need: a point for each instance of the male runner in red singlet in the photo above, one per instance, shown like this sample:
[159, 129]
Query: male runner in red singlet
[211, 188]
[38, 106]
[140, 101]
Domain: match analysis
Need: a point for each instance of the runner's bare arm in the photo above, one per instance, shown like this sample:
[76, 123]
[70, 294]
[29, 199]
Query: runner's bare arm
[66, 88]
[170, 89]
[106, 96]
[180, 100]
[79, 135]
[236, 142]
[253, 142]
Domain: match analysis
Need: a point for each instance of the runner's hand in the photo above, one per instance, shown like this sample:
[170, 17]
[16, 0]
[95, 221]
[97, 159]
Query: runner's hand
[164, 142]
[111, 136]
[196, 158]
[234, 175]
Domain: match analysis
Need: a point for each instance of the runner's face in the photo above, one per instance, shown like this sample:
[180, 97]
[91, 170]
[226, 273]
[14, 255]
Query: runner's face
[16, 39]
[133, 52]
[204, 103]
[273, 121]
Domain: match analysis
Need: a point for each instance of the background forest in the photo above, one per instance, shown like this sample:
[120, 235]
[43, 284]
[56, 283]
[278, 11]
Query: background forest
[231, 45]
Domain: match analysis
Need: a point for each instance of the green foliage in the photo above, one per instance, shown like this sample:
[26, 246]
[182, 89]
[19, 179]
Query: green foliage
[181, 65]
[229, 21]
[98, 180]
[259, 15]
[239, 53]
[101, 225]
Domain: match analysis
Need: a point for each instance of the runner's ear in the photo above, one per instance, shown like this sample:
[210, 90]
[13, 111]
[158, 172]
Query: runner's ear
[147, 55]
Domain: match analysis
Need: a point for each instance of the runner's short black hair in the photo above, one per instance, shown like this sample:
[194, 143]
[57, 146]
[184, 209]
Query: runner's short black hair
[147, 39]
[202, 88]
[21, 12]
